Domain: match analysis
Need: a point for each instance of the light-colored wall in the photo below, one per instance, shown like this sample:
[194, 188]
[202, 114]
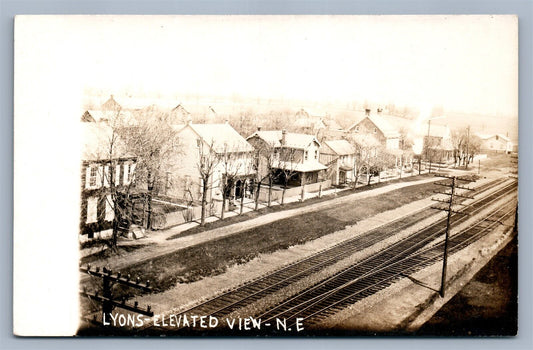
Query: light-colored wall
[185, 172]
[492, 144]
[186, 175]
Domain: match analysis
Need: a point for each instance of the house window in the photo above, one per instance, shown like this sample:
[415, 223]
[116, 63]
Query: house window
[357, 128]
[316, 154]
[92, 207]
[126, 173]
[109, 212]
[198, 143]
[306, 155]
[92, 176]
[375, 130]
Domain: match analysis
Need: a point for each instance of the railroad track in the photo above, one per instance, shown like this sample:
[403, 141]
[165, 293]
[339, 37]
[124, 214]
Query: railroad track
[377, 272]
[231, 300]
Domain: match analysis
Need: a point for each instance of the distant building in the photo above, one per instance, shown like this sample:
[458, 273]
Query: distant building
[496, 143]
[297, 154]
[111, 105]
[438, 142]
[339, 157]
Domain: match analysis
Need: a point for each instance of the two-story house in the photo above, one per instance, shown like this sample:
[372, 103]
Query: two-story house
[295, 158]
[218, 147]
[377, 125]
[102, 169]
[339, 157]
[497, 143]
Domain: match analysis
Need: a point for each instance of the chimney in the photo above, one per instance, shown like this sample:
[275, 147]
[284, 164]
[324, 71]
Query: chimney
[380, 110]
[258, 128]
[283, 137]
[367, 111]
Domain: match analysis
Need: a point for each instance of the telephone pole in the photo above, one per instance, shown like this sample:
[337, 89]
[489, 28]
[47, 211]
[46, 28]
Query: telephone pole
[453, 186]
[107, 300]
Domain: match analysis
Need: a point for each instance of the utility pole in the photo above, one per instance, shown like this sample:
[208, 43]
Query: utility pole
[453, 185]
[107, 300]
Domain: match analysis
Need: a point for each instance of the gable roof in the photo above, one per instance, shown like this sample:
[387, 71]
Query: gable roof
[96, 139]
[437, 130]
[102, 116]
[292, 140]
[486, 137]
[111, 104]
[220, 136]
[388, 130]
[331, 124]
[340, 147]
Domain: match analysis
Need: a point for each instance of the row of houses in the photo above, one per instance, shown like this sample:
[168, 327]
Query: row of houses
[296, 160]
[291, 159]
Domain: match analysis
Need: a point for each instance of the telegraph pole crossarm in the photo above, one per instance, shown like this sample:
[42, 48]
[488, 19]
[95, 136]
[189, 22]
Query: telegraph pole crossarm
[453, 185]
[94, 296]
[107, 301]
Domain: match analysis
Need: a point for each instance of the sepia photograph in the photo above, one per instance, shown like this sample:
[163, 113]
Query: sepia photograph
[283, 176]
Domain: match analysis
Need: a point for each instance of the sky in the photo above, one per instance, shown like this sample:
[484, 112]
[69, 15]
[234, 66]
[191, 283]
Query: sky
[465, 63]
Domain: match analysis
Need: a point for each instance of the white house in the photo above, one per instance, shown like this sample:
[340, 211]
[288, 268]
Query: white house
[339, 157]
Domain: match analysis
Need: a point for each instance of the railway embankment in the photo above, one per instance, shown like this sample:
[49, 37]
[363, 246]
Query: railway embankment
[192, 293]
[405, 306]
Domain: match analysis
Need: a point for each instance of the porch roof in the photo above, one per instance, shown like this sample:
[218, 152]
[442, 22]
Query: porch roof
[302, 168]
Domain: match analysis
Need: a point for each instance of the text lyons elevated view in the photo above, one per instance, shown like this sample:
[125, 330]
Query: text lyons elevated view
[208, 215]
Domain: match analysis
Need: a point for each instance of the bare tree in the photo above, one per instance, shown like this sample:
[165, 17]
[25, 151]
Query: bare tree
[208, 160]
[287, 168]
[134, 148]
[155, 143]
[465, 146]
[231, 163]
[366, 148]
[110, 155]
[266, 157]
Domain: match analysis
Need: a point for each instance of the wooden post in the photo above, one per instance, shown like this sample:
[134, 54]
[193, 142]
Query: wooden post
[107, 307]
[303, 187]
[243, 192]
[453, 186]
[445, 258]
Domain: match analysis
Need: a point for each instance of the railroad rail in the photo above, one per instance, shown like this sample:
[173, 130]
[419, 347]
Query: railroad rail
[241, 296]
[377, 272]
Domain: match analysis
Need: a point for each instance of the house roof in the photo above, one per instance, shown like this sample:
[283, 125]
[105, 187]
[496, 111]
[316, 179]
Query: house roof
[302, 167]
[292, 140]
[340, 147]
[111, 104]
[387, 128]
[486, 137]
[220, 136]
[96, 138]
[309, 122]
[101, 116]
[331, 124]
[437, 130]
